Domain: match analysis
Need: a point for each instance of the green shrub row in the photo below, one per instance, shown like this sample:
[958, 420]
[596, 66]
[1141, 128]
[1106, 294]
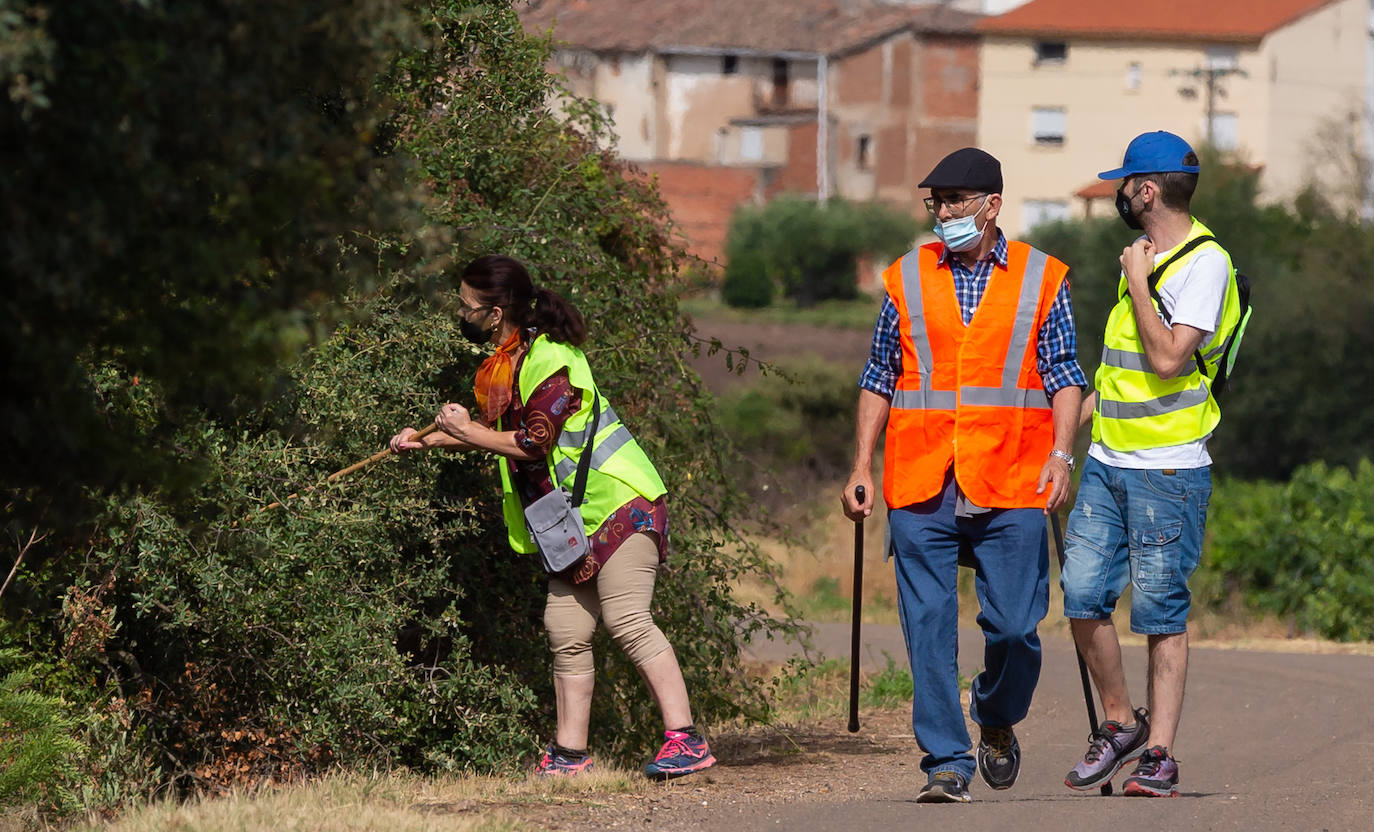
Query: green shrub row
[807, 251]
[1301, 550]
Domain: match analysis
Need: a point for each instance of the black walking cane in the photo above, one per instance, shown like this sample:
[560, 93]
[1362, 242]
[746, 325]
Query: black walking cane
[1082, 666]
[858, 607]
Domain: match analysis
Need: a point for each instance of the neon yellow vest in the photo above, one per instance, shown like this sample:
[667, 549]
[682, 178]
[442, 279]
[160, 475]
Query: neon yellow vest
[620, 470]
[1137, 409]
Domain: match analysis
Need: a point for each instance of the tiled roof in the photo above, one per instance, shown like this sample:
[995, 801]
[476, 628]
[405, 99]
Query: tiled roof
[767, 26]
[1098, 189]
[1228, 21]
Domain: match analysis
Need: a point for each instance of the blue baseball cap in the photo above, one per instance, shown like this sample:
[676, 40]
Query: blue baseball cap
[1157, 152]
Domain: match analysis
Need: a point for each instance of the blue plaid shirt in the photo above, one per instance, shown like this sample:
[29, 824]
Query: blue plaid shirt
[1056, 348]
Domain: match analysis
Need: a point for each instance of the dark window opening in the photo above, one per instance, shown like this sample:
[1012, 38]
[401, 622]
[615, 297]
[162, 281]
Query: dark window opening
[780, 80]
[1051, 52]
[729, 65]
[864, 153]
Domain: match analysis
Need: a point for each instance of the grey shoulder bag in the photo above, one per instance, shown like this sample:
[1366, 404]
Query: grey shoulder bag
[555, 520]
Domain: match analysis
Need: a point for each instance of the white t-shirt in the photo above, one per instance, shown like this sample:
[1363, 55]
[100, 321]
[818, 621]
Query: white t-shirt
[1193, 296]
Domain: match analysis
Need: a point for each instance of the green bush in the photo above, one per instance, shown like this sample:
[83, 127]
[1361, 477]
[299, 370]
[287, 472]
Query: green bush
[383, 620]
[1300, 550]
[809, 249]
[797, 422]
[40, 756]
[747, 284]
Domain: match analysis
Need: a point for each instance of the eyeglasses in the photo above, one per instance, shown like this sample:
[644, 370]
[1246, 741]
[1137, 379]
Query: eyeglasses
[956, 205]
[469, 311]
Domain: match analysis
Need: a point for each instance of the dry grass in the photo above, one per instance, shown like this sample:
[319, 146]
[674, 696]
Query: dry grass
[394, 802]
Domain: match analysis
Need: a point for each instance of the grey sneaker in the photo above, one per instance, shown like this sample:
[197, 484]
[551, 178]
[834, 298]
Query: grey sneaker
[1155, 775]
[945, 787]
[999, 756]
[1110, 747]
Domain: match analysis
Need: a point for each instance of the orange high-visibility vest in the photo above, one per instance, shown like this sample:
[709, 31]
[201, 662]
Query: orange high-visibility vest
[970, 395]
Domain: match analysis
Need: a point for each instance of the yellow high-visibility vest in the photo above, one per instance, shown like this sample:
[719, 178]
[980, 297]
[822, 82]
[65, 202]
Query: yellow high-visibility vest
[1136, 409]
[620, 470]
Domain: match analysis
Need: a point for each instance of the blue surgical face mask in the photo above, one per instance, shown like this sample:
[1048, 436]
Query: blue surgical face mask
[961, 234]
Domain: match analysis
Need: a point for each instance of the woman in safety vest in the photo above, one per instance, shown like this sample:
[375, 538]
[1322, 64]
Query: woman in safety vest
[536, 399]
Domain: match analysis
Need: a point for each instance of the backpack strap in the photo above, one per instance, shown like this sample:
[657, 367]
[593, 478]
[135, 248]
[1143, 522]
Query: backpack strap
[1158, 272]
[1153, 282]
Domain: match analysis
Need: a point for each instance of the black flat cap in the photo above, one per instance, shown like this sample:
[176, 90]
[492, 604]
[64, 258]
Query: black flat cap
[967, 168]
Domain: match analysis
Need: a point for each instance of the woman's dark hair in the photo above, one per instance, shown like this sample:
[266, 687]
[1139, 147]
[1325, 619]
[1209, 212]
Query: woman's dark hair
[503, 281]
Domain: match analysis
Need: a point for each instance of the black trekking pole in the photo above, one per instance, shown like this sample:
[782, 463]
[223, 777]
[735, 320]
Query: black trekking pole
[856, 623]
[1082, 666]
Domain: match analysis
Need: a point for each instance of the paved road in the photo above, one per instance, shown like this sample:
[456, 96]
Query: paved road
[1270, 741]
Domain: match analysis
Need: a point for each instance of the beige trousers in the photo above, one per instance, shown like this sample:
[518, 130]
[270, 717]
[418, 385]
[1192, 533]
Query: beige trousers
[620, 595]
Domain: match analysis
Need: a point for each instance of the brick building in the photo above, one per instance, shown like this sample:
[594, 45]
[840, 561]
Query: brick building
[733, 101]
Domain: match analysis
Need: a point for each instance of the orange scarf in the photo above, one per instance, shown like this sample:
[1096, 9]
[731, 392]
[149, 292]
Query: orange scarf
[492, 385]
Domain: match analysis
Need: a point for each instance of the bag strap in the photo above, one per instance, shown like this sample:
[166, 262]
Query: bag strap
[585, 463]
[1158, 272]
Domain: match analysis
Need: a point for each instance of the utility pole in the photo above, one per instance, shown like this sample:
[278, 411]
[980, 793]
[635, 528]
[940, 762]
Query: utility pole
[1208, 76]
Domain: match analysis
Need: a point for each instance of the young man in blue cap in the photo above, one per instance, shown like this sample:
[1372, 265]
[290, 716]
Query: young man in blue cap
[974, 349]
[1142, 500]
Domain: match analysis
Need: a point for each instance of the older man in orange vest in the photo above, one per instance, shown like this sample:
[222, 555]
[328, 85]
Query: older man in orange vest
[974, 372]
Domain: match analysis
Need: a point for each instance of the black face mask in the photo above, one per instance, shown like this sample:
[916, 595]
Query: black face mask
[1123, 207]
[474, 332]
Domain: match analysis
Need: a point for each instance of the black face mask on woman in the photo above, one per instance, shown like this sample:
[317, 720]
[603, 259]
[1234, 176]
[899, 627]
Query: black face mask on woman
[1123, 207]
[475, 332]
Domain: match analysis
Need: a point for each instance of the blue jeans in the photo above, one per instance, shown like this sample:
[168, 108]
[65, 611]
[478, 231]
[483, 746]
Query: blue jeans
[1011, 577]
[1140, 525]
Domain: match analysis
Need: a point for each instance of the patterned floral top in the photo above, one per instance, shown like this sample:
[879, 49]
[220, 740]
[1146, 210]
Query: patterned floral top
[537, 424]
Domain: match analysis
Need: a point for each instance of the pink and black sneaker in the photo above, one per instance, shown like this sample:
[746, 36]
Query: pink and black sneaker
[1155, 775]
[682, 753]
[560, 762]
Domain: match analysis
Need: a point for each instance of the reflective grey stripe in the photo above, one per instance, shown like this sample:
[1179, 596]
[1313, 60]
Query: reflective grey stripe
[578, 438]
[1153, 407]
[1025, 317]
[916, 315]
[1126, 360]
[1009, 394]
[1216, 353]
[602, 450]
[565, 469]
[923, 400]
[1002, 397]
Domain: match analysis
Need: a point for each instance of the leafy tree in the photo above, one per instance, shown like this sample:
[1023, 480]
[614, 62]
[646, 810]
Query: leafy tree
[809, 249]
[383, 620]
[182, 195]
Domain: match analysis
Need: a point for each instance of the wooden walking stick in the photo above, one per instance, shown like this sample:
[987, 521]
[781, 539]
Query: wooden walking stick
[343, 472]
[857, 623]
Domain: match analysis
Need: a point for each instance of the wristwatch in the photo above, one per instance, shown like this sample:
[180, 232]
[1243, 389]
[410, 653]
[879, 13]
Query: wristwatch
[1068, 458]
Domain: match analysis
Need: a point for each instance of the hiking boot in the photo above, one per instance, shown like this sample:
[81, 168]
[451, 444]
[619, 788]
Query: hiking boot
[1110, 747]
[945, 787]
[1155, 775]
[681, 754]
[999, 756]
[560, 762]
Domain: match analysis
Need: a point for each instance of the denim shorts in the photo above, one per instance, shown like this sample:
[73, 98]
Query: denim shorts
[1144, 526]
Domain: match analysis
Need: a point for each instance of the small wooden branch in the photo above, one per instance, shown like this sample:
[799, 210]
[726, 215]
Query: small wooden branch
[343, 472]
